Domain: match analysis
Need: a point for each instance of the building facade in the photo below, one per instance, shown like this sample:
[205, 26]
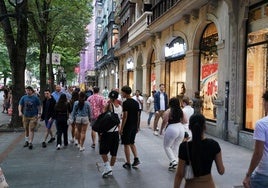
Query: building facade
[215, 47]
[106, 36]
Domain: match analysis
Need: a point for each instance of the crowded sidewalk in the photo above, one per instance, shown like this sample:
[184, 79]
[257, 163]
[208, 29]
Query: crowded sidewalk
[48, 167]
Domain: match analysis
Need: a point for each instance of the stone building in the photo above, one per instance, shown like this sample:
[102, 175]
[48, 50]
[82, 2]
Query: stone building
[215, 47]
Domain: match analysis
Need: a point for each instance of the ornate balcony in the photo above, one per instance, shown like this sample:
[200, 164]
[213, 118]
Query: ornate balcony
[139, 31]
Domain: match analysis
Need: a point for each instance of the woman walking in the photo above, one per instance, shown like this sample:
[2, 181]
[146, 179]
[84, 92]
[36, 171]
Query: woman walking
[174, 134]
[81, 115]
[75, 96]
[109, 140]
[202, 151]
[62, 109]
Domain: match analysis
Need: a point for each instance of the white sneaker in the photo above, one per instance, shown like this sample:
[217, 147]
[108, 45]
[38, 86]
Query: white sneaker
[72, 140]
[155, 133]
[82, 148]
[75, 142]
[107, 171]
[58, 147]
[78, 146]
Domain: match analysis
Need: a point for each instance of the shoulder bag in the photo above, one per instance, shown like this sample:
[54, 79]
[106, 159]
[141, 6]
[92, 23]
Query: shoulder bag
[188, 170]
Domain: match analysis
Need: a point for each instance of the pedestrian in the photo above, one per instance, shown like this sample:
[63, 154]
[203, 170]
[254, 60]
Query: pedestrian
[197, 103]
[257, 174]
[188, 111]
[202, 152]
[30, 110]
[174, 134]
[57, 93]
[129, 127]
[109, 140]
[150, 107]
[105, 92]
[97, 104]
[137, 97]
[81, 116]
[6, 104]
[62, 110]
[160, 106]
[75, 96]
[47, 115]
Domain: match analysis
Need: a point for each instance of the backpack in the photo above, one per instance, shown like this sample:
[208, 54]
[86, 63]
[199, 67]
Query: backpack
[106, 121]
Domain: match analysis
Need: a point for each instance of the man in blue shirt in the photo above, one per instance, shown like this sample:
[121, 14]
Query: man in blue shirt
[30, 110]
[57, 93]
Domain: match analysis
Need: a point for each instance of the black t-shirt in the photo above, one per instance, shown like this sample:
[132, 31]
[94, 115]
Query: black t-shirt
[132, 108]
[209, 147]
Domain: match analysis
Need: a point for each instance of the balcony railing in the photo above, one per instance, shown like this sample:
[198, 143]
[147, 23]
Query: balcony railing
[139, 29]
[161, 7]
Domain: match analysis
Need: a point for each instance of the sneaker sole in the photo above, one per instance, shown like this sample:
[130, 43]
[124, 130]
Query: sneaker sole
[109, 173]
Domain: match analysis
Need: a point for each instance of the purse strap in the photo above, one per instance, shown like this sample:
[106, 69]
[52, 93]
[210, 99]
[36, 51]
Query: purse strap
[188, 153]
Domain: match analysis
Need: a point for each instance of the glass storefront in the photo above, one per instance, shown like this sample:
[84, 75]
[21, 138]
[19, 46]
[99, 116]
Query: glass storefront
[152, 73]
[175, 67]
[209, 71]
[256, 65]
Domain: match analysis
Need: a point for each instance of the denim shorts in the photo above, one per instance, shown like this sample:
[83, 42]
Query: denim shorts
[258, 180]
[84, 120]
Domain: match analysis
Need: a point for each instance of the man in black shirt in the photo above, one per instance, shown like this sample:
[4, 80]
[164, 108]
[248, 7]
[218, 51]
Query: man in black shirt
[129, 126]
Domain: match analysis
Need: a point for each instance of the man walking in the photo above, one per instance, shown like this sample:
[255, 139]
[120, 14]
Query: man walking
[97, 105]
[137, 97]
[129, 127]
[47, 114]
[160, 106]
[30, 110]
[57, 93]
[257, 174]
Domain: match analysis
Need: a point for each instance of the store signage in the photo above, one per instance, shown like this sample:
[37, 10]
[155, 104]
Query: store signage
[130, 64]
[176, 49]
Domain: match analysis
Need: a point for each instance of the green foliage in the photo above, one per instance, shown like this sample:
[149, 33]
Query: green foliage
[63, 24]
[5, 70]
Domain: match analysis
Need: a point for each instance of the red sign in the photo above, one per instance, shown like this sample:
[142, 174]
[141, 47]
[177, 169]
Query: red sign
[209, 69]
[77, 70]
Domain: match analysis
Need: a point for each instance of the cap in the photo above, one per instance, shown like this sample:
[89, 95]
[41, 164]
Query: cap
[113, 95]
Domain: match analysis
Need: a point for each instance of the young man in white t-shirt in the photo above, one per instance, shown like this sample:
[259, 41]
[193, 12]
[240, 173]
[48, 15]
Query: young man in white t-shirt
[257, 174]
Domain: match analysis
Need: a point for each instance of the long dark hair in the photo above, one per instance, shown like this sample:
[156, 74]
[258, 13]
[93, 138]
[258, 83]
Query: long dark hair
[197, 124]
[62, 103]
[176, 113]
[81, 100]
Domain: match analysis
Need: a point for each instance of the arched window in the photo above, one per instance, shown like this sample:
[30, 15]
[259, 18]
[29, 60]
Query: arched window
[209, 71]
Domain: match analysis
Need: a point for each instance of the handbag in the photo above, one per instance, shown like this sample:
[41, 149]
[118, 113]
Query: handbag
[106, 121]
[188, 170]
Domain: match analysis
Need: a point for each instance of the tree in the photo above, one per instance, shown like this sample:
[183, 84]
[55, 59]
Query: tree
[15, 27]
[58, 25]
[5, 71]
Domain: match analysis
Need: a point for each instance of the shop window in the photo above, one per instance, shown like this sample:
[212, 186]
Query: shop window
[256, 76]
[152, 73]
[209, 71]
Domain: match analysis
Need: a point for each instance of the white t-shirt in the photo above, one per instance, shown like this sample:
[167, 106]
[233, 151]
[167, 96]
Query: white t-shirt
[261, 134]
[141, 99]
[162, 101]
[150, 101]
[118, 110]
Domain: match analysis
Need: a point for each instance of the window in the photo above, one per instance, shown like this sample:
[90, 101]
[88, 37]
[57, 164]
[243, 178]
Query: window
[209, 71]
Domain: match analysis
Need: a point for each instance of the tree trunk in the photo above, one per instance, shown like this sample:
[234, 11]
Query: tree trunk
[17, 53]
[43, 69]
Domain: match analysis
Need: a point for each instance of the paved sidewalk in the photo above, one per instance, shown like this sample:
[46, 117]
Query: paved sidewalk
[69, 168]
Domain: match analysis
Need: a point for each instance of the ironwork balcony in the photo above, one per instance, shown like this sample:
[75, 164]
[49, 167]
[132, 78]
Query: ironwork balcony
[139, 30]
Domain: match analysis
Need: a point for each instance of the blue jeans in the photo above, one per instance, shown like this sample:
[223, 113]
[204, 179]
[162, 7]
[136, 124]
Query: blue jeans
[258, 180]
[150, 117]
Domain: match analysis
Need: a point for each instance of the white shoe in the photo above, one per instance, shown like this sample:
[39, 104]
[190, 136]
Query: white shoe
[107, 171]
[58, 147]
[75, 142]
[157, 128]
[155, 133]
[82, 148]
[72, 140]
[78, 146]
